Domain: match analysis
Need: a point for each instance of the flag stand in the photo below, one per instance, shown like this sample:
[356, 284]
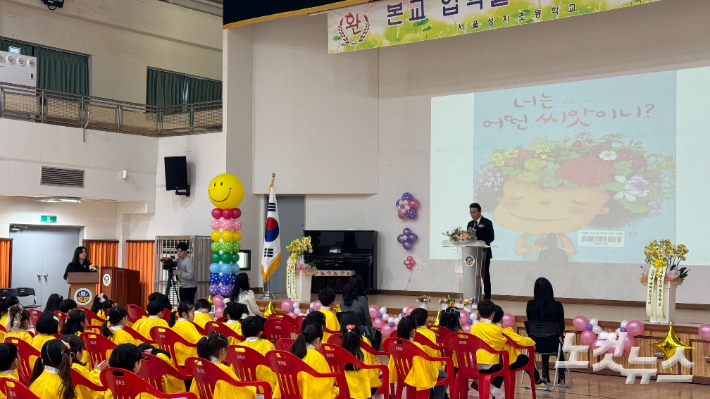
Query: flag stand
[267, 292]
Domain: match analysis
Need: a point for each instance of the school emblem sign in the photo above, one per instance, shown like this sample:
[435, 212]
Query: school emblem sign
[107, 280]
[469, 260]
[83, 296]
[353, 23]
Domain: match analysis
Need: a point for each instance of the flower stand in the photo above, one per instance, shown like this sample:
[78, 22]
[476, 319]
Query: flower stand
[303, 288]
[424, 305]
[668, 316]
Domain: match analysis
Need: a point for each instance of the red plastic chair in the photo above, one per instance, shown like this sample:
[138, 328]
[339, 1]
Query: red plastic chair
[403, 353]
[165, 339]
[34, 316]
[78, 379]
[125, 385]
[206, 375]
[299, 320]
[338, 357]
[441, 333]
[244, 361]
[199, 329]
[135, 313]
[275, 329]
[166, 314]
[154, 368]
[335, 339]
[91, 318]
[284, 344]
[221, 328]
[287, 366]
[98, 346]
[61, 316]
[285, 317]
[529, 367]
[137, 336]
[465, 346]
[11, 389]
[424, 341]
[223, 319]
[369, 349]
[26, 351]
[96, 329]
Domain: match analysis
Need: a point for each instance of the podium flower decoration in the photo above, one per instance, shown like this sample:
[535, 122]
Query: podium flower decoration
[663, 254]
[458, 234]
[93, 268]
[636, 181]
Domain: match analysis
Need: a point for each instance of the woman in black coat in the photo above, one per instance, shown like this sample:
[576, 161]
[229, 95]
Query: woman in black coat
[544, 307]
[79, 263]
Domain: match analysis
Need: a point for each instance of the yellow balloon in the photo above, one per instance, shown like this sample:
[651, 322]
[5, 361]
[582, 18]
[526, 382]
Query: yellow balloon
[216, 235]
[226, 191]
[236, 236]
[227, 235]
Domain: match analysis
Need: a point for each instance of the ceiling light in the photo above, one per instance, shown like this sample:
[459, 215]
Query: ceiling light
[73, 200]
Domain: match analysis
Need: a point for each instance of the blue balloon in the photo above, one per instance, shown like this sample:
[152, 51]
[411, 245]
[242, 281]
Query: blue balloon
[214, 278]
[214, 268]
[226, 268]
[225, 280]
[235, 269]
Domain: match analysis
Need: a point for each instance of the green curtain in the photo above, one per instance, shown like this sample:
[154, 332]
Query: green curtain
[56, 70]
[164, 88]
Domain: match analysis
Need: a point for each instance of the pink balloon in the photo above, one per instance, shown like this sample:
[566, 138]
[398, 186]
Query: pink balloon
[226, 224]
[215, 224]
[464, 312]
[374, 310]
[413, 203]
[466, 328]
[386, 331]
[580, 323]
[588, 337]
[463, 318]
[508, 320]
[217, 300]
[317, 305]
[237, 225]
[410, 266]
[227, 213]
[293, 315]
[216, 213]
[703, 331]
[218, 312]
[409, 310]
[378, 323]
[286, 305]
[630, 343]
[635, 328]
[236, 213]
[410, 258]
[402, 215]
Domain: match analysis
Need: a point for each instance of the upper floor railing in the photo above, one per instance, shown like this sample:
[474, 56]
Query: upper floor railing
[86, 112]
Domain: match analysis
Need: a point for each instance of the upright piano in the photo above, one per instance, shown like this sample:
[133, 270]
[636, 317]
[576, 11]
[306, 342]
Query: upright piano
[339, 253]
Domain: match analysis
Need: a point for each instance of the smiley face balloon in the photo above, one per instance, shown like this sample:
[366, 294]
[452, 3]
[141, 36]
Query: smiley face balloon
[226, 191]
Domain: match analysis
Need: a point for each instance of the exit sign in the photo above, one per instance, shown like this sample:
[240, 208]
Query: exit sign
[49, 219]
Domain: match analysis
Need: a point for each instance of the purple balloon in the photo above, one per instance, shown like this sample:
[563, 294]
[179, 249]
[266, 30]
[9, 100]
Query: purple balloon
[407, 245]
[407, 196]
[589, 327]
[406, 232]
[310, 310]
[379, 315]
[622, 329]
[412, 237]
[401, 238]
[290, 309]
[398, 203]
[392, 324]
[225, 290]
[222, 304]
[214, 289]
[402, 314]
[412, 213]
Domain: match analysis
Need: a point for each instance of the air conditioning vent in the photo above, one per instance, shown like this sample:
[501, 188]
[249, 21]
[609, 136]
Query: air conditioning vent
[62, 177]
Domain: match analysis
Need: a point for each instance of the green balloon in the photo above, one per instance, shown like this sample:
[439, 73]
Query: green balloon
[215, 257]
[215, 246]
[237, 247]
[227, 246]
[226, 257]
[235, 257]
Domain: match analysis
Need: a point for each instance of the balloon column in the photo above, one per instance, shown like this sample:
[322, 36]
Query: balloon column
[226, 193]
[407, 239]
[407, 207]
[592, 333]
[292, 308]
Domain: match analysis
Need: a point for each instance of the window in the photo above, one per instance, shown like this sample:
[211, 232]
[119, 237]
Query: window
[57, 70]
[165, 88]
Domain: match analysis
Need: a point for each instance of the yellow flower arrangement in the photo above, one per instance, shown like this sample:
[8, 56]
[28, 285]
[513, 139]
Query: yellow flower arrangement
[497, 156]
[663, 254]
[511, 153]
[534, 164]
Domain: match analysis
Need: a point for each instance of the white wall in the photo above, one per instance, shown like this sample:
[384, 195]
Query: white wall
[123, 38]
[660, 36]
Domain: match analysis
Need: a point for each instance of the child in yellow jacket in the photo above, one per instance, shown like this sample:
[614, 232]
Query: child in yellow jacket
[181, 323]
[420, 316]
[362, 384]
[154, 319]
[213, 348]
[9, 363]
[127, 357]
[326, 296]
[112, 328]
[516, 359]
[76, 349]
[202, 312]
[51, 377]
[251, 329]
[18, 324]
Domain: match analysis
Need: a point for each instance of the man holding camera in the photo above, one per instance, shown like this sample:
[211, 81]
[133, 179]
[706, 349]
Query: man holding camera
[185, 272]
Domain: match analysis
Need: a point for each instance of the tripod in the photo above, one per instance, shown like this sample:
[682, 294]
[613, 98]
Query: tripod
[172, 284]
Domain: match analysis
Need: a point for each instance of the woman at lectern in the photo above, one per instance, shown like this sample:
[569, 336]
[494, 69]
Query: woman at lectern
[80, 262]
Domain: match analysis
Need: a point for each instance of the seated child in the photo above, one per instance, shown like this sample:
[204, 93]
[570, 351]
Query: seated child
[181, 322]
[76, 350]
[47, 326]
[236, 312]
[162, 298]
[515, 358]
[213, 348]
[420, 316]
[362, 384]
[19, 324]
[154, 319]
[202, 312]
[5, 306]
[316, 318]
[67, 305]
[101, 305]
[423, 374]
[51, 376]
[112, 328]
[126, 357]
[251, 330]
[9, 362]
[170, 384]
[326, 296]
[74, 324]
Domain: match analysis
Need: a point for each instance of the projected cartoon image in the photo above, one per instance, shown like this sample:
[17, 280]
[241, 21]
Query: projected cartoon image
[581, 171]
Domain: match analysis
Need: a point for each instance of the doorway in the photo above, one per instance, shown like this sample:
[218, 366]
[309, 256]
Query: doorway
[40, 256]
[291, 220]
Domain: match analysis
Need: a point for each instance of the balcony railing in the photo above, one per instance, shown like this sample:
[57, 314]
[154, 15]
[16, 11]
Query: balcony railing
[46, 106]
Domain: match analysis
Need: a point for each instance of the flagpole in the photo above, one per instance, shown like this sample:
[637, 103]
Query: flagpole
[267, 284]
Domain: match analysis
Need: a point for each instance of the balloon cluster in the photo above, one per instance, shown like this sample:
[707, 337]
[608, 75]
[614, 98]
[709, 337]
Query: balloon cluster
[592, 333]
[407, 207]
[292, 308]
[704, 332]
[410, 262]
[407, 238]
[386, 323]
[225, 251]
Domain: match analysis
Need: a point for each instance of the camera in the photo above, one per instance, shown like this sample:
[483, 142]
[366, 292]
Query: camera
[168, 264]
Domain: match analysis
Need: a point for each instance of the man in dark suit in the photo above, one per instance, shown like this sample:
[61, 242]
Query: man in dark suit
[484, 232]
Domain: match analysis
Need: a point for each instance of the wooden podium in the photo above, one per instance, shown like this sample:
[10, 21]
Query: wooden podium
[82, 287]
[122, 286]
